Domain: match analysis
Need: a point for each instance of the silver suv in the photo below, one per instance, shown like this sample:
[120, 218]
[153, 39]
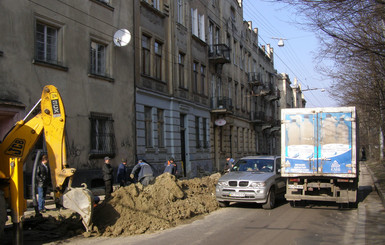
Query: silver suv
[252, 179]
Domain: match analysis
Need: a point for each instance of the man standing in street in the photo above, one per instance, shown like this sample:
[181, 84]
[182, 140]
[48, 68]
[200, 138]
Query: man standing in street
[122, 172]
[146, 175]
[107, 177]
[43, 180]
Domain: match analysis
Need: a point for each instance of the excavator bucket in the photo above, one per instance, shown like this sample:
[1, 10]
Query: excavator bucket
[80, 200]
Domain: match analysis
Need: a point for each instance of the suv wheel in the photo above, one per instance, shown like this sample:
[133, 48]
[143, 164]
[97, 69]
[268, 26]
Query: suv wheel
[270, 200]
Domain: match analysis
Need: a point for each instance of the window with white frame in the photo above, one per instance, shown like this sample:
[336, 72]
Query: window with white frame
[46, 43]
[158, 60]
[102, 134]
[98, 58]
[180, 11]
[198, 24]
[156, 4]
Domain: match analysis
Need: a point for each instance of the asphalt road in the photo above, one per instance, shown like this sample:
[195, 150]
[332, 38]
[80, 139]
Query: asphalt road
[250, 224]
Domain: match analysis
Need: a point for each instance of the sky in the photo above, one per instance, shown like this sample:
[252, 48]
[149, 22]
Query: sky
[296, 57]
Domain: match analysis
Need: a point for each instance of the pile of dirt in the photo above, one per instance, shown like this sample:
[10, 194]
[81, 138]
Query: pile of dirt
[136, 209]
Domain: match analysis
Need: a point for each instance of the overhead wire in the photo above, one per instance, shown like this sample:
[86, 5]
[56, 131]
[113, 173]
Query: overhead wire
[290, 54]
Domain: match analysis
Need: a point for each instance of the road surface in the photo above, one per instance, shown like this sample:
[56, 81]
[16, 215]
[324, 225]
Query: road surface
[250, 224]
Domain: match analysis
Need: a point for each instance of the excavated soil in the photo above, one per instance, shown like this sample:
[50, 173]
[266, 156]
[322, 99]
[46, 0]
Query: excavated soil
[133, 209]
[168, 202]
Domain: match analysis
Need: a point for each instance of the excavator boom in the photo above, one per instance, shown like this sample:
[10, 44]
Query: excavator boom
[17, 145]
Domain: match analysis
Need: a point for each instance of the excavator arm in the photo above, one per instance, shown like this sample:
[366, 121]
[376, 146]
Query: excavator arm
[18, 144]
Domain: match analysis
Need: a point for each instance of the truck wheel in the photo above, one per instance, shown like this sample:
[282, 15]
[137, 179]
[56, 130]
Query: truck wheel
[224, 204]
[3, 214]
[270, 200]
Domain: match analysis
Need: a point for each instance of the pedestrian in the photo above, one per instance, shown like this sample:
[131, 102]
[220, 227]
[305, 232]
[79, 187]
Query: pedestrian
[107, 177]
[170, 167]
[43, 177]
[146, 175]
[229, 164]
[122, 173]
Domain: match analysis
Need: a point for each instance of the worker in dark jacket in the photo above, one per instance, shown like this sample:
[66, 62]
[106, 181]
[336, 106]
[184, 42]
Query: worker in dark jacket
[43, 178]
[146, 175]
[107, 177]
[122, 172]
[170, 167]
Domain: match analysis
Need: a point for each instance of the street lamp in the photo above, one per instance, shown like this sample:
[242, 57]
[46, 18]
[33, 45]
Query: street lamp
[280, 41]
[309, 89]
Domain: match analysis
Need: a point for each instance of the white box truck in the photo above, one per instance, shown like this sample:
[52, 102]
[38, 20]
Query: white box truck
[319, 154]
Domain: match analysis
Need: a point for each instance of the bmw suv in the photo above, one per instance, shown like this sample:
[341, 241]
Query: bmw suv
[252, 179]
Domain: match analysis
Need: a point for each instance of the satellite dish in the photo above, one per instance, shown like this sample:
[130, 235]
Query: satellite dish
[122, 37]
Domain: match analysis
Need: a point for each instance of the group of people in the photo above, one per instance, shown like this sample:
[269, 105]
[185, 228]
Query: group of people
[143, 171]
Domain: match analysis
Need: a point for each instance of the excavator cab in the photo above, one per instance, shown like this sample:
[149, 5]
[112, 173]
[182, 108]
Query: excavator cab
[16, 147]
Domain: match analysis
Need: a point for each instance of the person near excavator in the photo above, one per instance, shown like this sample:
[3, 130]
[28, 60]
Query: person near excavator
[107, 177]
[122, 173]
[146, 175]
[43, 180]
[170, 167]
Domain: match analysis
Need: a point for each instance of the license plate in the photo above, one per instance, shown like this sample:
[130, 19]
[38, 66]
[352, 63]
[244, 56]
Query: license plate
[237, 194]
[295, 186]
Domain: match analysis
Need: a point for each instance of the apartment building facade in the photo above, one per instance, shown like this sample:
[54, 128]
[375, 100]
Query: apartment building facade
[193, 84]
[69, 44]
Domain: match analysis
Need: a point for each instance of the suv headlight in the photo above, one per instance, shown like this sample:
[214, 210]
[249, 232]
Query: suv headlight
[222, 183]
[258, 184]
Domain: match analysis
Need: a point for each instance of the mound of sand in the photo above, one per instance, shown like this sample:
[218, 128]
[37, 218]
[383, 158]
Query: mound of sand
[135, 209]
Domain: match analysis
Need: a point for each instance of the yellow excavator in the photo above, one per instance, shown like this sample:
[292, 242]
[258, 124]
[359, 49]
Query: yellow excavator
[14, 150]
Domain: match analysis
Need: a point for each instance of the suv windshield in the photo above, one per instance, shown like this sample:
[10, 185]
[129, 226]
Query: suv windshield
[254, 165]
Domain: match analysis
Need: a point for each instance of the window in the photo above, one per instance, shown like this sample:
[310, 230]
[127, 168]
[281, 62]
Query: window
[203, 80]
[160, 113]
[201, 29]
[198, 24]
[148, 125]
[204, 128]
[195, 77]
[98, 58]
[46, 43]
[194, 21]
[232, 13]
[197, 138]
[181, 70]
[145, 55]
[156, 4]
[102, 134]
[158, 60]
[211, 36]
[180, 11]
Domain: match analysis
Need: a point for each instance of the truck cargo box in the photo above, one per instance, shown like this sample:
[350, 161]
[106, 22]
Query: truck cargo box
[319, 142]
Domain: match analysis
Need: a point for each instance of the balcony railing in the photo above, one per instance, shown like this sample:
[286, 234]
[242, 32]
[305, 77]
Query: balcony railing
[220, 102]
[219, 53]
[258, 116]
[254, 79]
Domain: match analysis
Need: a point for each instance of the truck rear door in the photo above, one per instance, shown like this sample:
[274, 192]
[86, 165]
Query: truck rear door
[318, 142]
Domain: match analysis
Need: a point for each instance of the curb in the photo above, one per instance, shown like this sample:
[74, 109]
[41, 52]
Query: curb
[377, 186]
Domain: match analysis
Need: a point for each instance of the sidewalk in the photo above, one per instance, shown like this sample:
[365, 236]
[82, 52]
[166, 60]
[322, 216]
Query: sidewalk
[377, 171]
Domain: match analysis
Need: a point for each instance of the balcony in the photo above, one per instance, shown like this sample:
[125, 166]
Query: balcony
[258, 116]
[219, 53]
[221, 104]
[254, 79]
[274, 94]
